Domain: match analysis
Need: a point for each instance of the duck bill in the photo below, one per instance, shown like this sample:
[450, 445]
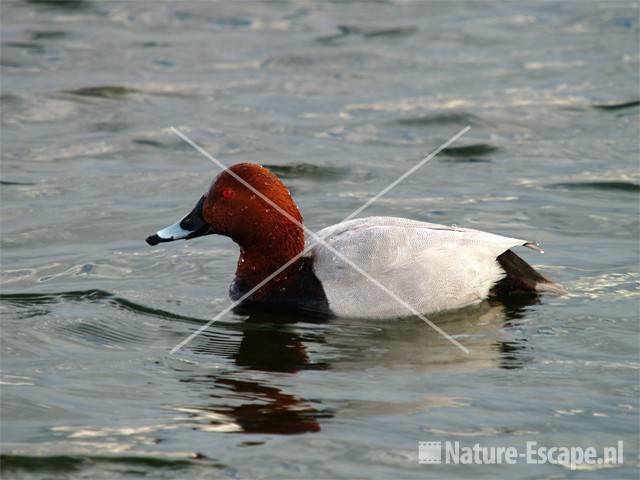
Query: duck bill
[191, 226]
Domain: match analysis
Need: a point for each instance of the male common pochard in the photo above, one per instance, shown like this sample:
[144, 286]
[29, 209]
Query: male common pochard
[431, 267]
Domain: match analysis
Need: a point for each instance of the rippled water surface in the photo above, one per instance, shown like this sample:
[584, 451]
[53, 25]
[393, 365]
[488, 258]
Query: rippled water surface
[339, 99]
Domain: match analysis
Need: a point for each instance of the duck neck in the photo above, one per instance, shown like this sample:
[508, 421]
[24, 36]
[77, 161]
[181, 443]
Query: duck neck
[266, 251]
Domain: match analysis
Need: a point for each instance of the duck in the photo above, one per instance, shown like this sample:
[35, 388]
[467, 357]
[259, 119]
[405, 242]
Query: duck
[349, 269]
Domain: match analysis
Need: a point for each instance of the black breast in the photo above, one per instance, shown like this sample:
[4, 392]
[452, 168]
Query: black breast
[301, 293]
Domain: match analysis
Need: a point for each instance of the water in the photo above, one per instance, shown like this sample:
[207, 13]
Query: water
[339, 99]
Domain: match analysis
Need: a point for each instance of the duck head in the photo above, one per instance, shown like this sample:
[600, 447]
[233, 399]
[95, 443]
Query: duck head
[267, 238]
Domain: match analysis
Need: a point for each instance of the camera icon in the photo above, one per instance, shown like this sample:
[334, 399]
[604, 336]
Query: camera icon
[430, 452]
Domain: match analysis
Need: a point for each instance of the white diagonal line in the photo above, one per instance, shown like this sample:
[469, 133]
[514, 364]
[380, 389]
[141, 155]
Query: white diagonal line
[314, 242]
[317, 240]
[410, 171]
[241, 299]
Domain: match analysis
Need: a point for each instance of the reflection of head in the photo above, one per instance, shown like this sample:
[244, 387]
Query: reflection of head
[268, 344]
[270, 410]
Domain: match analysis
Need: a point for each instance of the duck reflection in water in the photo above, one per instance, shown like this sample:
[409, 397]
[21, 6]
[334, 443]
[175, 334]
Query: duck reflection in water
[273, 343]
[268, 345]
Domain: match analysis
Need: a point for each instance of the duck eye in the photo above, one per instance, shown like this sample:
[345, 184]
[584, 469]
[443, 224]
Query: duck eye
[227, 193]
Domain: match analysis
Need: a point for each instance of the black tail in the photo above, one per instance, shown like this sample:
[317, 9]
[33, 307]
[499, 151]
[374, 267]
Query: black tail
[522, 278]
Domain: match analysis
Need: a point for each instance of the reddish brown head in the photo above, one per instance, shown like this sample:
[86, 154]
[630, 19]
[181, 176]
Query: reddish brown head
[234, 210]
[268, 236]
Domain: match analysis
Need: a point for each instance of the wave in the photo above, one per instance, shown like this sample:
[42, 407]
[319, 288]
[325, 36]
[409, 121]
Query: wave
[614, 186]
[92, 296]
[72, 463]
